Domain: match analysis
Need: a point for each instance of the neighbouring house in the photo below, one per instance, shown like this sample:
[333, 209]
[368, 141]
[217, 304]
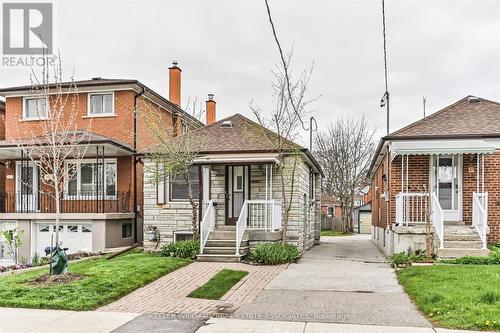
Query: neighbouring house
[237, 182]
[94, 217]
[444, 168]
[331, 213]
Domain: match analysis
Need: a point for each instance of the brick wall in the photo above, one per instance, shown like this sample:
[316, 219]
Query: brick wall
[418, 180]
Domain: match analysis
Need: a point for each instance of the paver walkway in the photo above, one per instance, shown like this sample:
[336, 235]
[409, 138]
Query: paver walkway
[167, 295]
[343, 280]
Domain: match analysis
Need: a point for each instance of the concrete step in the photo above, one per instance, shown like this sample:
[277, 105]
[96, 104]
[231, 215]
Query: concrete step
[222, 235]
[224, 250]
[462, 230]
[225, 227]
[462, 237]
[456, 253]
[219, 257]
[224, 243]
[460, 244]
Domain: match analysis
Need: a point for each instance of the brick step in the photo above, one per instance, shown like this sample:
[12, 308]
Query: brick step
[224, 243]
[461, 244]
[456, 253]
[224, 250]
[219, 257]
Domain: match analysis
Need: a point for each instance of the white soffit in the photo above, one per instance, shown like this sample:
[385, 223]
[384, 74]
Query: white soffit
[236, 158]
[433, 147]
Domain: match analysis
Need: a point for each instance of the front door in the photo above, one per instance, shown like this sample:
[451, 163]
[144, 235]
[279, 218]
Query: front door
[26, 187]
[447, 184]
[237, 188]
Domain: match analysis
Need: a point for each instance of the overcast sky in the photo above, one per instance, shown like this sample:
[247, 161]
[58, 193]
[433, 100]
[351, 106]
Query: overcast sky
[444, 50]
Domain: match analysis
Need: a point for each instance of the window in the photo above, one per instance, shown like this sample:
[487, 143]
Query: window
[72, 228]
[35, 108]
[126, 230]
[44, 228]
[182, 236]
[330, 211]
[86, 228]
[101, 104]
[88, 178]
[178, 185]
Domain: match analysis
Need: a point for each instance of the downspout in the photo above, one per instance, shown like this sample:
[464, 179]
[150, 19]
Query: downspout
[136, 97]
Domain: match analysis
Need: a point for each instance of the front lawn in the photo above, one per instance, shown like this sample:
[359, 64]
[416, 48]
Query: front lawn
[332, 233]
[104, 281]
[456, 296]
[219, 284]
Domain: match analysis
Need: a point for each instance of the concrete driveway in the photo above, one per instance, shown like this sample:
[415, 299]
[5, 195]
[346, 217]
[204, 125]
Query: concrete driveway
[344, 280]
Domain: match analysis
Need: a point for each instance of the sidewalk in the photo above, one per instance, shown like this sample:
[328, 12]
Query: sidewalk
[15, 320]
[262, 326]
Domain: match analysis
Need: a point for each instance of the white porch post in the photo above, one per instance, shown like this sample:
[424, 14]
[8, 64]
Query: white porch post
[266, 218]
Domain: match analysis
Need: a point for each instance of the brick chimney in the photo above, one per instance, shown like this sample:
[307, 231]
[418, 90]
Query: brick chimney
[174, 84]
[210, 106]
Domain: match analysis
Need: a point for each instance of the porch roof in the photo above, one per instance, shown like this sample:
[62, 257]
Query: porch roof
[11, 149]
[237, 158]
[433, 147]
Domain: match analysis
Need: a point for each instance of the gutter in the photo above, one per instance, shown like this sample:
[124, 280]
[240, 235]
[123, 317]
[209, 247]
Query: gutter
[136, 97]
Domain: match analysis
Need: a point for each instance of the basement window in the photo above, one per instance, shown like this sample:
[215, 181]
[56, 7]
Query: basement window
[182, 236]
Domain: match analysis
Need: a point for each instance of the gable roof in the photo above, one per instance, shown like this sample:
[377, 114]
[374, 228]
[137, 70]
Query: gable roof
[469, 117]
[100, 82]
[242, 136]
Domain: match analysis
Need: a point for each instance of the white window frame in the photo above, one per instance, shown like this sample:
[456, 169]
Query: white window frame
[26, 99]
[89, 95]
[181, 232]
[169, 190]
[67, 196]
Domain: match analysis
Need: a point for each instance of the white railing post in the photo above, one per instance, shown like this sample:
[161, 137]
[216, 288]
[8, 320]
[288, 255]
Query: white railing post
[480, 215]
[207, 223]
[241, 226]
[437, 216]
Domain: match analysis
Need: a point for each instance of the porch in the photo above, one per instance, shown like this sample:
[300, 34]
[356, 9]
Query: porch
[240, 207]
[444, 186]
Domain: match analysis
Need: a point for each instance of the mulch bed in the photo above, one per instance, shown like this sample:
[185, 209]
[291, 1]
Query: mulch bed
[49, 280]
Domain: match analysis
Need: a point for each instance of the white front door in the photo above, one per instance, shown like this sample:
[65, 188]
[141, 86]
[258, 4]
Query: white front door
[446, 182]
[26, 187]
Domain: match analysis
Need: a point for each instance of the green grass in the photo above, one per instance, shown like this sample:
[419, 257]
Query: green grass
[104, 282]
[456, 296]
[219, 284]
[334, 233]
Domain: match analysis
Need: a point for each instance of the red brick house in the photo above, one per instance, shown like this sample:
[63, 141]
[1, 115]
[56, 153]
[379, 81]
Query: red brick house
[94, 217]
[446, 166]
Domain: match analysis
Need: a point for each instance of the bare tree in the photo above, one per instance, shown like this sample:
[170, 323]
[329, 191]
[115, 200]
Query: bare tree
[283, 127]
[344, 151]
[173, 155]
[57, 137]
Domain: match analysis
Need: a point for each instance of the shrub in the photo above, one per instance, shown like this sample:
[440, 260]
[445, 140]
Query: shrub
[274, 254]
[181, 249]
[492, 259]
[405, 259]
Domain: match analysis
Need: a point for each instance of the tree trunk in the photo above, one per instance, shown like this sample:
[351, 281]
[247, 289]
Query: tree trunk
[194, 209]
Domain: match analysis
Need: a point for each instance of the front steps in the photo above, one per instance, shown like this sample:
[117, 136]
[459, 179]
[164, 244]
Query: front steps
[461, 240]
[221, 246]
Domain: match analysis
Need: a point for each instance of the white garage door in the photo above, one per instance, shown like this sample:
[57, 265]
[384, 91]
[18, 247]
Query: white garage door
[76, 237]
[365, 222]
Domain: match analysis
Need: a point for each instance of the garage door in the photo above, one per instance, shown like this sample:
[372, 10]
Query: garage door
[76, 237]
[365, 222]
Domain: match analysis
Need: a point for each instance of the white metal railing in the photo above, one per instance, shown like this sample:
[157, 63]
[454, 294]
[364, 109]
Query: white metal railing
[437, 218]
[207, 223]
[411, 207]
[241, 226]
[264, 215]
[480, 215]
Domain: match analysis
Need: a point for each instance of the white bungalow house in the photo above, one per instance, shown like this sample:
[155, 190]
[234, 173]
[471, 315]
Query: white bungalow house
[238, 183]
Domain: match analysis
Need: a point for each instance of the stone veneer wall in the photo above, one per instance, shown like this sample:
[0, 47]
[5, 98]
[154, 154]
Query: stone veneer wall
[304, 221]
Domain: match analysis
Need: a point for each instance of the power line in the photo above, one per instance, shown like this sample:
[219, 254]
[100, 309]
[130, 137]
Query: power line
[385, 98]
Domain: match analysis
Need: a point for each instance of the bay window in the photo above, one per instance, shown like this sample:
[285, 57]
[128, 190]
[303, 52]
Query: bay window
[88, 178]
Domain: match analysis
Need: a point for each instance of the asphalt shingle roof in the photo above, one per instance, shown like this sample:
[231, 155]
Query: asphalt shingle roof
[470, 116]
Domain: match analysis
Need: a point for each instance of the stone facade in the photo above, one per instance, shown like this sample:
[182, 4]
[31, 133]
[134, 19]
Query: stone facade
[304, 217]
